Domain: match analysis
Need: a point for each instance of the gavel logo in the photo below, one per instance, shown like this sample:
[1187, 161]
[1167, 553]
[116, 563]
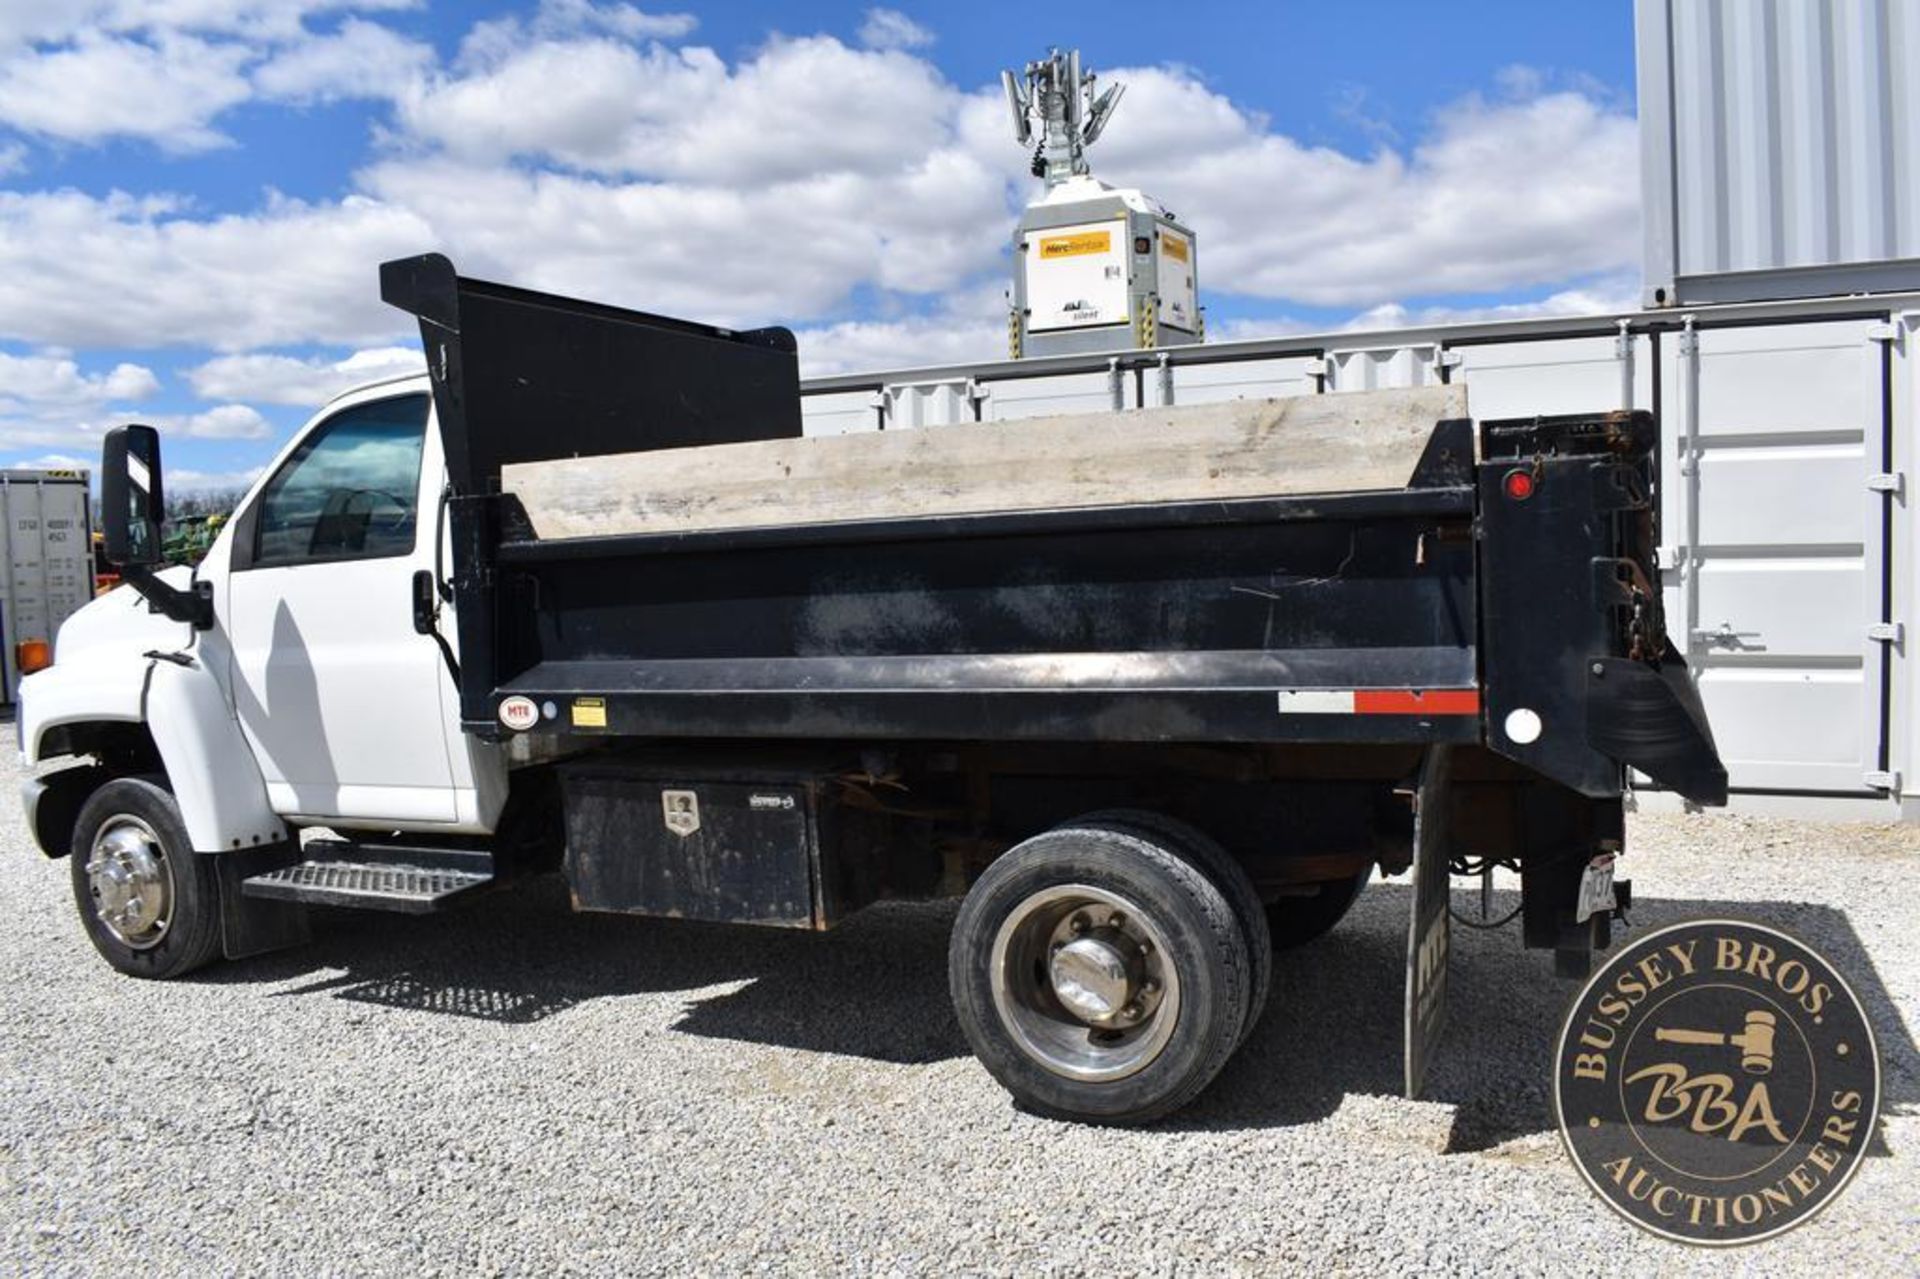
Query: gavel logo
[1662, 1123]
[1755, 1042]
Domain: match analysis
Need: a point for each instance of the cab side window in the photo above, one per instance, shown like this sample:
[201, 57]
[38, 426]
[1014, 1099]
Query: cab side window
[350, 491]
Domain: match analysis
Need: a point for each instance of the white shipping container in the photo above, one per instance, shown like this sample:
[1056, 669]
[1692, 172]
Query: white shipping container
[46, 540]
[1779, 148]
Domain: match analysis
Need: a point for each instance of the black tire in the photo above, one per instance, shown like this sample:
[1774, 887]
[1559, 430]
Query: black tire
[190, 935]
[1202, 949]
[1227, 874]
[1295, 921]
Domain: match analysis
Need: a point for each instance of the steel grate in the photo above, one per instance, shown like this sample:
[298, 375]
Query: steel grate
[365, 884]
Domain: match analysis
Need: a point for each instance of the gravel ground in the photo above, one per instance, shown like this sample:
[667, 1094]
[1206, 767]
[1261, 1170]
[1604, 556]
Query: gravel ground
[516, 1089]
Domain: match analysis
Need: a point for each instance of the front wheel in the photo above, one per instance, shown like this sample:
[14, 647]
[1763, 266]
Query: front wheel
[1099, 975]
[150, 905]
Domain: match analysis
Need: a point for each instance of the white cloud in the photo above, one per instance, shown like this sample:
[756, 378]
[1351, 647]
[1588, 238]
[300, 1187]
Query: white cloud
[138, 273]
[1523, 191]
[53, 462]
[46, 399]
[57, 382]
[575, 151]
[556, 20]
[727, 255]
[183, 480]
[164, 71]
[284, 379]
[102, 87]
[1610, 295]
[49, 401]
[892, 29]
[38, 21]
[222, 422]
[566, 17]
[801, 108]
[858, 168]
[854, 346]
[968, 325]
[361, 60]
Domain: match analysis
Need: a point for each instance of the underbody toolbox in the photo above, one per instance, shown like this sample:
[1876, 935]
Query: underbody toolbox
[694, 849]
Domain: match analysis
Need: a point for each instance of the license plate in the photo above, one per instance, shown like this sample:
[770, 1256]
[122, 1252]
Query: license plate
[1596, 889]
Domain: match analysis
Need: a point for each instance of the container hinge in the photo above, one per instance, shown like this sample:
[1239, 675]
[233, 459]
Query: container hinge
[1623, 341]
[1884, 333]
[1315, 367]
[1894, 482]
[1450, 359]
[1887, 632]
[1886, 780]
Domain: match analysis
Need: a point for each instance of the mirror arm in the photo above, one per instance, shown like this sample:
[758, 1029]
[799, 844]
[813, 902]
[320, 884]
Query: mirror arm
[193, 606]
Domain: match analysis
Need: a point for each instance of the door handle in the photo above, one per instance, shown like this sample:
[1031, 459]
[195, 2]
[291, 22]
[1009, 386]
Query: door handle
[423, 603]
[1724, 636]
[426, 618]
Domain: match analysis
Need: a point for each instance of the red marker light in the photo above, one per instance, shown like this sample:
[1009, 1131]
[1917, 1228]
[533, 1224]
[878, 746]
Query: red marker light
[1519, 485]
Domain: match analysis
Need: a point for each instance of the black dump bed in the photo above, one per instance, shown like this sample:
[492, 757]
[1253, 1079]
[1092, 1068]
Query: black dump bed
[1429, 611]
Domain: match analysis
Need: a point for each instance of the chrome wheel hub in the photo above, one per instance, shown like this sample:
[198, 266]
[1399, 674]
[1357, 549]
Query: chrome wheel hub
[1082, 979]
[1091, 978]
[131, 882]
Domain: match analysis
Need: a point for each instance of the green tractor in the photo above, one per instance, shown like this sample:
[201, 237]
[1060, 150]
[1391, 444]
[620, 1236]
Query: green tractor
[190, 536]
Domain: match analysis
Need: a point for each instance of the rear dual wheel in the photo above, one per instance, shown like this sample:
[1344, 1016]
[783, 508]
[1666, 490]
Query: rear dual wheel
[1101, 972]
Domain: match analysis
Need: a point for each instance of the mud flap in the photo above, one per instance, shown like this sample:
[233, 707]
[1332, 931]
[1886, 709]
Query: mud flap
[249, 925]
[1429, 932]
[1650, 718]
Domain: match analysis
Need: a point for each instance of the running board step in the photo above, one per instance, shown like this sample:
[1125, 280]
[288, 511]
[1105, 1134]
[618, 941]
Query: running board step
[413, 881]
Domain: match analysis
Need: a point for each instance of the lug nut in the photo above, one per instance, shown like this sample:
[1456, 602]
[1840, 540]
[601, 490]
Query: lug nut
[1116, 920]
[1131, 1012]
[1079, 924]
[1149, 987]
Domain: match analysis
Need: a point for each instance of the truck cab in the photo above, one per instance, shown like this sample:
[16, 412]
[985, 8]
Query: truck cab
[323, 705]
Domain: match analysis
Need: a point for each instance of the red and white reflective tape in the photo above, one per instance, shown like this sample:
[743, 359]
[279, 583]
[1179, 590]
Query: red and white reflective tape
[1379, 701]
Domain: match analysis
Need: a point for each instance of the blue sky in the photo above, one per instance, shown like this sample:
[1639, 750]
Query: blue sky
[194, 194]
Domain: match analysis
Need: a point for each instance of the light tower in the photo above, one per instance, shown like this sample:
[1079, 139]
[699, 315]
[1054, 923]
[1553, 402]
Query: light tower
[1096, 268]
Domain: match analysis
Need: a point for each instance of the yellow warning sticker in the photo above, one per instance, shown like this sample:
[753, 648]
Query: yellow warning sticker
[589, 712]
[1173, 246]
[1072, 246]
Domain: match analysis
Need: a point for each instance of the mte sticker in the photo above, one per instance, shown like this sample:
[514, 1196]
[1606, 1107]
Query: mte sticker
[1073, 246]
[589, 712]
[519, 713]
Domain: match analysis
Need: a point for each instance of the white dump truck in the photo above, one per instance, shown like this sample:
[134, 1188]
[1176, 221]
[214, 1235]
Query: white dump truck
[1152, 691]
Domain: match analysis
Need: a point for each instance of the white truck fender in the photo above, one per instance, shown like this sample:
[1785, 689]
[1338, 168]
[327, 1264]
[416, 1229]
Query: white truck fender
[215, 778]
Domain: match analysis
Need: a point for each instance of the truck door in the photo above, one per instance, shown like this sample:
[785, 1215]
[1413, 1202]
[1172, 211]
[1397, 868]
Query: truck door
[338, 695]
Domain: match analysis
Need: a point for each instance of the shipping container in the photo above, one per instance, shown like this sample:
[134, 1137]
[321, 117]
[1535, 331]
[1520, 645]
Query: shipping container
[1779, 148]
[46, 537]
